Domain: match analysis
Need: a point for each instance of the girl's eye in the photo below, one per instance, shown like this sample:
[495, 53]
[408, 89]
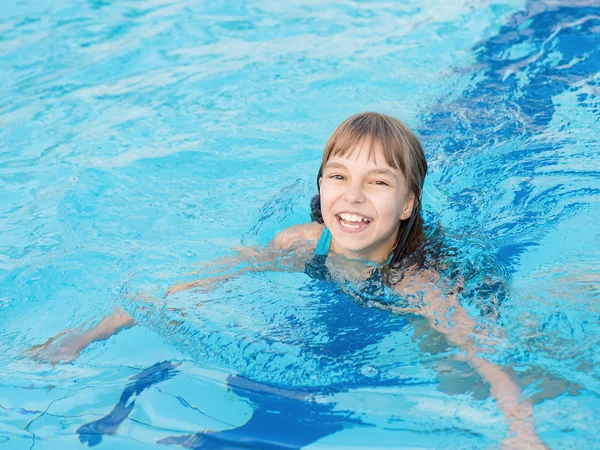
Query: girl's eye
[381, 183]
[336, 177]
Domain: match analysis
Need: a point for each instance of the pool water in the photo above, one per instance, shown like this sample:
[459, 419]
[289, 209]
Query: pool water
[141, 139]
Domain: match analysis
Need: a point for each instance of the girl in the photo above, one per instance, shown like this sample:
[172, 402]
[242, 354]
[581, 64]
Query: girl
[367, 225]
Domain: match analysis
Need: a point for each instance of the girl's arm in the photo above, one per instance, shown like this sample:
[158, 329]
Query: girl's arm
[285, 253]
[68, 344]
[445, 315]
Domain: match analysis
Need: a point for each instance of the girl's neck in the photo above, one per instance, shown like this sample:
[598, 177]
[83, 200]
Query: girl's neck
[374, 258]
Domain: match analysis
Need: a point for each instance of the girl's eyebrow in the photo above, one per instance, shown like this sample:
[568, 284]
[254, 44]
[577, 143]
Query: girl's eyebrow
[383, 172]
[335, 165]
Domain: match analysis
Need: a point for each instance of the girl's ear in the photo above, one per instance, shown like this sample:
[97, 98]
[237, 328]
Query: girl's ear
[408, 207]
[320, 180]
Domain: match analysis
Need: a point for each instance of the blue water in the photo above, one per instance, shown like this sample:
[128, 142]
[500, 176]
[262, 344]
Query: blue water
[139, 140]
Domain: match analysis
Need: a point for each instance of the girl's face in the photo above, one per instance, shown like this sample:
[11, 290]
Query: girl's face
[362, 202]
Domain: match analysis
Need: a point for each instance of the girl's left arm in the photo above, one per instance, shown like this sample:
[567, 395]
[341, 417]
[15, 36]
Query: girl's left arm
[445, 314]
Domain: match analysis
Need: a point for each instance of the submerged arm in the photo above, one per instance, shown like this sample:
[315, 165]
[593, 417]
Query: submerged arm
[68, 344]
[287, 252]
[445, 315]
[248, 260]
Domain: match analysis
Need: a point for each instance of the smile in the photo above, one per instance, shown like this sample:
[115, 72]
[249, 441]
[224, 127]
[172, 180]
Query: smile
[353, 223]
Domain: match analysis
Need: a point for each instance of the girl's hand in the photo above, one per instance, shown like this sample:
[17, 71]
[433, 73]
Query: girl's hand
[63, 348]
[67, 345]
[523, 437]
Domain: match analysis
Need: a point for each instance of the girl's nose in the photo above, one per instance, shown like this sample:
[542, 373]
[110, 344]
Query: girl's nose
[354, 194]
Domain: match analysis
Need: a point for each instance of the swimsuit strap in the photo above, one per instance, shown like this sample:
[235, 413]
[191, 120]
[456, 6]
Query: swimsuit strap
[324, 243]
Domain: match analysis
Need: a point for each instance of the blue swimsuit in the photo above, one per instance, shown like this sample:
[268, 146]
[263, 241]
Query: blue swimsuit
[324, 243]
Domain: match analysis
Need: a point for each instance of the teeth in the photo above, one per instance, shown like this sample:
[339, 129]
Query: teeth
[347, 225]
[353, 218]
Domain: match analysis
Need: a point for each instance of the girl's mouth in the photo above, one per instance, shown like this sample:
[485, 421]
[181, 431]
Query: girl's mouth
[352, 223]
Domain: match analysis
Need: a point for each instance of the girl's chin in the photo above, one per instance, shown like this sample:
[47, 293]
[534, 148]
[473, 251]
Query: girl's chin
[351, 246]
[358, 245]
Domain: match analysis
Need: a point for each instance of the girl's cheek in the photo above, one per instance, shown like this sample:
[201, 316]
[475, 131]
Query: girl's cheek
[328, 191]
[326, 198]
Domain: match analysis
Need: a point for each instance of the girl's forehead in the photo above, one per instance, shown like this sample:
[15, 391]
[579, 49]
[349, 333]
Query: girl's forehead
[362, 155]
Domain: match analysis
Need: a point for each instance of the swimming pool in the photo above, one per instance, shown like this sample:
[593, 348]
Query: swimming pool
[139, 139]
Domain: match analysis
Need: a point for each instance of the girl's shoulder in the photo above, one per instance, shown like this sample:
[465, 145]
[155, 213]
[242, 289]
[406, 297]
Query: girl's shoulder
[304, 234]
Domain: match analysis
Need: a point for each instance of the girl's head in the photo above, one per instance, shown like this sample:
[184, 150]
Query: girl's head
[370, 186]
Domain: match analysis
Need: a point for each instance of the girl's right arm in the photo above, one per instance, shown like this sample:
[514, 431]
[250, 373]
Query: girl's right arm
[284, 253]
[67, 345]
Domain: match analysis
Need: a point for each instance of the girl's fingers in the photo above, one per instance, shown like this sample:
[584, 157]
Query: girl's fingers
[56, 351]
[36, 349]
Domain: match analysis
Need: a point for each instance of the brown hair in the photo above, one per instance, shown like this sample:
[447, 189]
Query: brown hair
[402, 150]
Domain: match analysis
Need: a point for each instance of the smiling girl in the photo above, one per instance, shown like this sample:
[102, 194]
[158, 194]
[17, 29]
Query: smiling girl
[370, 185]
[366, 223]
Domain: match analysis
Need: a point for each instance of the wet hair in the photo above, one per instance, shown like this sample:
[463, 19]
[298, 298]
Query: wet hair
[402, 150]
